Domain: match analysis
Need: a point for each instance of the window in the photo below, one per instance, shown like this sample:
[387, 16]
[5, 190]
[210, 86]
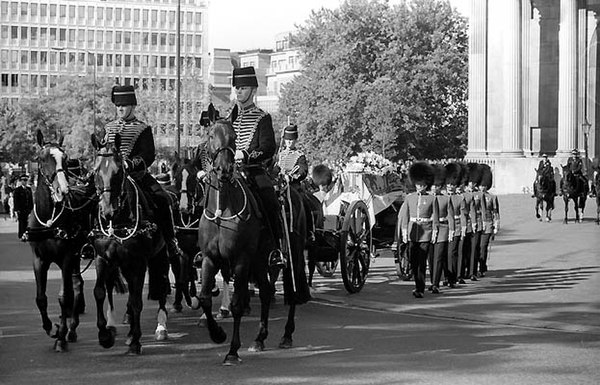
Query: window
[34, 81]
[52, 34]
[4, 33]
[163, 17]
[118, 59]
[198, 62]
[163, 62]
[189, 40]
[52, 58]
[24, 57]
[171, 61]
[80, 36]
[145, 61]
[136, 38]
[163, 39]
[172, 17]
[63, 34]
[81, 12]
[4, 8]
[154, 17]
[154, 61]
[118, 14]
[127, 14]
[72, 33]
[109, 60]
[72, 58]
[43, 10]
[136, 16]
[198, 39]
[71, 12]
[33, 55]
[127, 37]
[14, 80]
[90, 34]
[136, 61]
[198, 20]
[145, 14]
[127, 61]
[109, 37]
[33, 11]
[109, 14]
[43, 34]
[189, 17]
[52, 10]
[63, 11]
[172, 41]
[14, 9]
[24, 7]
[62, 59]
[145, 37]
[43, 58]
[99, 37]
[154, 39]
[100, 13]
[24, 34]
[100, 60]
[90, 12]
[43, 81]
[14, 32]
[118, 37]
[4, 58]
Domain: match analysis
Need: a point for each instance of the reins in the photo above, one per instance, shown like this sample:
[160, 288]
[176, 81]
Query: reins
[218, 214]
[110, 232]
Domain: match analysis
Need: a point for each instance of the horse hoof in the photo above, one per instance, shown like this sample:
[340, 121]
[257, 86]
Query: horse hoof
[537, 216]
[126, 319]
[177, 308]
[218, 336]
[129, 340]
[72, 336]
[106, 337]
[257, 346]
[53, 332]
[161, 333]
[285, 343]
[134, 350]
[60, 346]
[195, 303]
[232, 360]
[222, 314]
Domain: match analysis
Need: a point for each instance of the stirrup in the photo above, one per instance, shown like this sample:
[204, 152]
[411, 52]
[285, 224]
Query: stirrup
[277, 259]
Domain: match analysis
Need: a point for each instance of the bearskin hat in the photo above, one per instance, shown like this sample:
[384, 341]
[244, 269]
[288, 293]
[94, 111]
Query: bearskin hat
[322, 175]
[453, 174]
[439, 174]
[421, 173]
[464, 173]
[486, 176]
[474, 173]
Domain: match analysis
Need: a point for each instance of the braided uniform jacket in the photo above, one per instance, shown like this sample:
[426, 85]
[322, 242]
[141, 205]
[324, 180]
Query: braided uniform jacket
[137, 143]
[254, 135]
[291, 158]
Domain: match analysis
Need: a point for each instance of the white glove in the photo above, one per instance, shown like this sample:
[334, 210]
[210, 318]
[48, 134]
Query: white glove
[201, 174]
[239, 155]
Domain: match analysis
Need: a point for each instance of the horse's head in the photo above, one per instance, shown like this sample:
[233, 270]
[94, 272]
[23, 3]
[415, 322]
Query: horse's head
[109, 175]
[186, 182]
[52, 161]
[221, 144]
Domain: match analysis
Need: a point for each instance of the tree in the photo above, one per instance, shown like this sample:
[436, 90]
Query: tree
[381, 78]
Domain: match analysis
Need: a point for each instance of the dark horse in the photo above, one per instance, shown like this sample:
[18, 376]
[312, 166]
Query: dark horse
[232, 240]
[573, 188]
[597, 189]
[126, 243]
[57, 232]
[545, 191]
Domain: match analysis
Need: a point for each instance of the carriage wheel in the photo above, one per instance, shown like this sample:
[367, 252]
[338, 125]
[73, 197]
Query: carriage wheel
[326, 269]
[356, 244]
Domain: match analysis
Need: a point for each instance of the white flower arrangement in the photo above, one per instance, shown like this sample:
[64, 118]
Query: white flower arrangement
[369, 163]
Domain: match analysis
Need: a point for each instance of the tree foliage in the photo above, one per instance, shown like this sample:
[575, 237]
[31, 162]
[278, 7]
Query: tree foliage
[391, 79]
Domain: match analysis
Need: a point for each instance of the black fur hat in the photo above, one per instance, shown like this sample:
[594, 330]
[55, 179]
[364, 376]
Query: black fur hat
[421, 173]
[454, 174]
[464, 171]
[439, 175]
[474, 173]
[322, 175]
[486, 176]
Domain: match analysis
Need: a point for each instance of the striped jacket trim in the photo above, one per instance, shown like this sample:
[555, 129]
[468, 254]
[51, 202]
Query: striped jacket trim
[130, 132]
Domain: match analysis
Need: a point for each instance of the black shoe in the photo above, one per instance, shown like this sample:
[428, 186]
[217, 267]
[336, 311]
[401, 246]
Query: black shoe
[474, 278]
[461, 281]
[276, 259]
[435, 290]
[430, 288]
[481, 274]
[417, 294]
[445, 283]
[452, 285]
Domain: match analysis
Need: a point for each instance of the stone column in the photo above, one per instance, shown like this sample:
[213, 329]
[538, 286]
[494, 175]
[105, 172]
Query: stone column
[477, 125]
[567, 78]
[513, 108]
[526, 15]
[582, 65]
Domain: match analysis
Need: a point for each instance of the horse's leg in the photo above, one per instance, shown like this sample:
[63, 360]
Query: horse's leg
[177, 269]
[135, 281]
[161, 332]
[40, 270]
[106, 332]
[576, 207]
[265, 294]
[538, 202]
[216, 332]
[311, 265]
[549, 208]
[290, 327]
[66, 299]
[78, 299]
[566, 200]
[224, 309]
[239, 301]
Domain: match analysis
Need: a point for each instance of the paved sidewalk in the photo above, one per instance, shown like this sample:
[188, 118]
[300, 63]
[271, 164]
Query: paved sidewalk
[8, 225]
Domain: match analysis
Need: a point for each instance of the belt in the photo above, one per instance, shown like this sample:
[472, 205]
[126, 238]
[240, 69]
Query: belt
[415, 219]
[457, 217]
[442, 220]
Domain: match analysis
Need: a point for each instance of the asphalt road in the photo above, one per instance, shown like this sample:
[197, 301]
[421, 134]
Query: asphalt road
[535, 319]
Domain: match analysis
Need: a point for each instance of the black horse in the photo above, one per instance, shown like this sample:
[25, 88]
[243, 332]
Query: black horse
[545, 191]
[57, 233]
[573, 187]
[126, 243]
[232, 240]
[597, 190]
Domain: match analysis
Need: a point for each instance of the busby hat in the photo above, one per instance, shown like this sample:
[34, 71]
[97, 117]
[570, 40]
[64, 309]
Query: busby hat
[123, 96]
[453, 174]
[474, 173]
[439, 175]
[244, 77]
[464, 170]
[290, 132]
[421, 173]
[575, 151]
[486, 176]
[322, 175]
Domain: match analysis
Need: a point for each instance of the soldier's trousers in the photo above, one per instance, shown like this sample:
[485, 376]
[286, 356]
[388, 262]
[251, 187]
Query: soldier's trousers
[418, 252]
[440, 262]
[483, 251]
[452, 261]
[464, 254]
[475, 253]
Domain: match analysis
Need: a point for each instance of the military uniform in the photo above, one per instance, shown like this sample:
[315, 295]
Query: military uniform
[490, 217]
[453, 178]
[23, 204]
[419, 222]
[255, 138]
[291, 161]
[138, 151]
[470, 240]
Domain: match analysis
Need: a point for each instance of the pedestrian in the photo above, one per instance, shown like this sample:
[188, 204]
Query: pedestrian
[138, 151]
[255, 148]
[453, 180]
[419, 222]
[490, 217]
[445, 232]
[23, 203]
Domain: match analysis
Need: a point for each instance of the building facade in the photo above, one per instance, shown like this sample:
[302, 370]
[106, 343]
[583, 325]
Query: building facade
[129, 42]
[533, 85]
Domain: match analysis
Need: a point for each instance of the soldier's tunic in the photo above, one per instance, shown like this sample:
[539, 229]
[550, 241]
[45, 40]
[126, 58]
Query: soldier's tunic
[256, 139]
[292, 162]
[460, 226]
[490, 215]
[445, 230]
[419, 220]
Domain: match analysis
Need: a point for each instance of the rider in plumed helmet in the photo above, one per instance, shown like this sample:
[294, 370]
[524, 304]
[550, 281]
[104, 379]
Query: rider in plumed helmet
[138, 151]
[418, 221]
[255, 148]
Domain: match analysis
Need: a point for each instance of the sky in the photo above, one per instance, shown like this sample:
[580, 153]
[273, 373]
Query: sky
[242, 25]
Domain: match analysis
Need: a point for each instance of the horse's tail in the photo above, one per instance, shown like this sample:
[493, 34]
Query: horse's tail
[119, 281]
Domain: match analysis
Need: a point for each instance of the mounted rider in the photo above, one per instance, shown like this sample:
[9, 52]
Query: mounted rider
[575, 164]
[292, 161]
[138, 151]
[255, 147]
[544, 168]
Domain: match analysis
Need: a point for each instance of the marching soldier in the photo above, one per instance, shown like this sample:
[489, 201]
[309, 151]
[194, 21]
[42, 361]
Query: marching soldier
[490, 216]
[23, 203]
[445, 231]
[475, 172]
[137, 148]
[419, 222]
[255, 147]
[468, 235]
[453, 179]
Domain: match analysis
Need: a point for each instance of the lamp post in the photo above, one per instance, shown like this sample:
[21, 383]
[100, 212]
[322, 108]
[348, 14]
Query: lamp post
[178, 85]
[95, 70]
[585, 126]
